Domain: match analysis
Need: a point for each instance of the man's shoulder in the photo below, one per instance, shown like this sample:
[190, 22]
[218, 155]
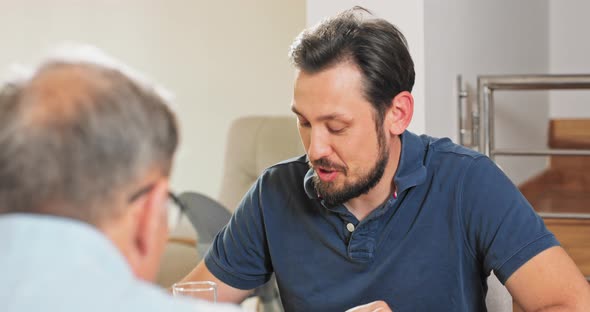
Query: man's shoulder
[290, 168]
[285, 178]
[449, 148]
[297, 161]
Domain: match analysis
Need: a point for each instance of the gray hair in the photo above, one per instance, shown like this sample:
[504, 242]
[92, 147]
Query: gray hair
[76, 133]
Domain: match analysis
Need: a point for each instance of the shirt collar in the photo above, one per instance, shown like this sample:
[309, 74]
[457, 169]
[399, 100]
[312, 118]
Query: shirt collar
[410, 171]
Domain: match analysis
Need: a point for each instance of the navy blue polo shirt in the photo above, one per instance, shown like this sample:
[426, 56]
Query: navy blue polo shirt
[456, 218]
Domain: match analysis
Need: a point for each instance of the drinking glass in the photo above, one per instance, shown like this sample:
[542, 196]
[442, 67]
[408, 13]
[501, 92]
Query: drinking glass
[205, 290]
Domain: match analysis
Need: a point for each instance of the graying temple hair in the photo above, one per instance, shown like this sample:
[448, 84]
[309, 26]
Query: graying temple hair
[74, 161]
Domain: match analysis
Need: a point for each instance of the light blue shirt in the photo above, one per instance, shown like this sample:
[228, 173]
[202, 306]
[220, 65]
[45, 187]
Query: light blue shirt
[56, 264]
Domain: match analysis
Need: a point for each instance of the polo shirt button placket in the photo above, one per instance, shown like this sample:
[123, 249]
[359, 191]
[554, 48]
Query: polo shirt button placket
[350, 227]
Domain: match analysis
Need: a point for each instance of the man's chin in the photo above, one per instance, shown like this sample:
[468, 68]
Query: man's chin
[327, 189]
[333, 196]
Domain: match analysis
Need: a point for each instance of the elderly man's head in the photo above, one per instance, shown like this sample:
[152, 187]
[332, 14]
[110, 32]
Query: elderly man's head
[85, 141]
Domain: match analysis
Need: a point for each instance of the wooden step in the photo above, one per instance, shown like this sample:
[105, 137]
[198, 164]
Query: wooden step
[569, 133]
[559, 190]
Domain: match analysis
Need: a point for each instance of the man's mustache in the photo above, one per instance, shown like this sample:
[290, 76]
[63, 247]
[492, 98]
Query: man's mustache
[324, 163]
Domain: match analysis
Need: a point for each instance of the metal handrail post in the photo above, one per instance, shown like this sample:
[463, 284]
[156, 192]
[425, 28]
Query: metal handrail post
[485, 119]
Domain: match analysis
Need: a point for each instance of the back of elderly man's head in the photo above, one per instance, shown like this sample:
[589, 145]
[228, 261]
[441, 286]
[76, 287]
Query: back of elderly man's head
[76, 136]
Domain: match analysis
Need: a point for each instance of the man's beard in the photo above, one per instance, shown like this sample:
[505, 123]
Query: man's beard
[355, 189]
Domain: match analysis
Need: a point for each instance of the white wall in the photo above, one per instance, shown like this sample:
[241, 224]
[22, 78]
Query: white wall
[569, 54]
[407, 16]
[222, 59]
[481, 38]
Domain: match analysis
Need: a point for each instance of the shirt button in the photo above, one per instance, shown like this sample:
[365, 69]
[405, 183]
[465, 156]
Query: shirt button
[350, 227]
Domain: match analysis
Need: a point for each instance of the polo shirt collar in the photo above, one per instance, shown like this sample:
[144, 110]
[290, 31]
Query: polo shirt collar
[410, 171]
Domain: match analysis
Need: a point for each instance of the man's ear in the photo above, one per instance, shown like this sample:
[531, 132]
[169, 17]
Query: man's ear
[150, 218]
[399, 115]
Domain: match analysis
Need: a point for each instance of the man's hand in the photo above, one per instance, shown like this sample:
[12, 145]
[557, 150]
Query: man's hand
[375, 306]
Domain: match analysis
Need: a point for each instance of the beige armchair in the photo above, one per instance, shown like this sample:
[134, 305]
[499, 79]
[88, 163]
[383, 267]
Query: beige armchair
[253, 144]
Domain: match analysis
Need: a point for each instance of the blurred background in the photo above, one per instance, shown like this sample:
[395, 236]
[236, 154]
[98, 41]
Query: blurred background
[227, 59]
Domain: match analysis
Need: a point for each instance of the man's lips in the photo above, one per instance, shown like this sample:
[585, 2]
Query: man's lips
[326, 174]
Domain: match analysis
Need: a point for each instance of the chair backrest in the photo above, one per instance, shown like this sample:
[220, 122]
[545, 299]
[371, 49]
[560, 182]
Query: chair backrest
[253, 144]
[206, 215]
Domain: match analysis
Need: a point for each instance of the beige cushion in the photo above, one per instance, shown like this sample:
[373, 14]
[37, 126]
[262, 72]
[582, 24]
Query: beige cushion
[255, 143]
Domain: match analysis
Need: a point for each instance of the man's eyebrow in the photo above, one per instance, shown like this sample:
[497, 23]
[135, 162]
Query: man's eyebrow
[324, 117]
[334, 116]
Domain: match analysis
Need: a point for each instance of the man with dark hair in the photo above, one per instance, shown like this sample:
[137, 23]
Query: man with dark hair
[85, 159]
[376, 214]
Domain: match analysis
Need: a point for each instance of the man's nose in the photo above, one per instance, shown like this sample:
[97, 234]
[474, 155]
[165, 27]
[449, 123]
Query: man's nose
[319, 146]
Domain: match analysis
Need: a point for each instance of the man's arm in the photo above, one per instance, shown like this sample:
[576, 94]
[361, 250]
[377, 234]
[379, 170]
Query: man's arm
[225, 293]
[550, 281]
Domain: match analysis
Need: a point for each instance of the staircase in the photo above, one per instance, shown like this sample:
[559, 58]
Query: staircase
[564, 187]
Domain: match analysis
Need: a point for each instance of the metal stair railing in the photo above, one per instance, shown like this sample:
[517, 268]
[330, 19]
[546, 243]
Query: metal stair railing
[484, 129]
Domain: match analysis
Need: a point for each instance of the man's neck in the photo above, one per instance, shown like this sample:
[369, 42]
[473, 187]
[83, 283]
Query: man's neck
[363, 205]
